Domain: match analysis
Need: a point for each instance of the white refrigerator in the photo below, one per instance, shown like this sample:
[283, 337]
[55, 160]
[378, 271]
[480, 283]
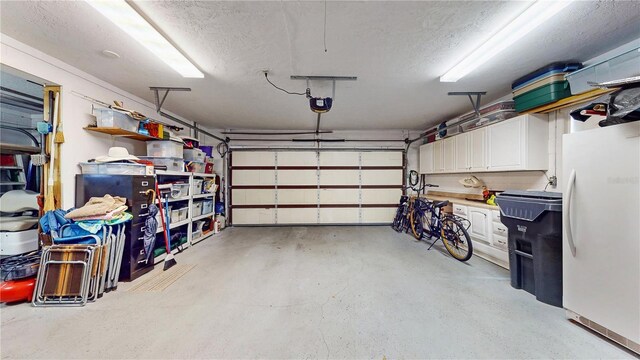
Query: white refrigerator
[601, 237]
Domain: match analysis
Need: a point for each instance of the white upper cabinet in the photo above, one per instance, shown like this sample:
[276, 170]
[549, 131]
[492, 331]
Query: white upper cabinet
[462, 160]
[449, 156]
[519, 143]
[478, 149]
[438, 157]
[426, 159]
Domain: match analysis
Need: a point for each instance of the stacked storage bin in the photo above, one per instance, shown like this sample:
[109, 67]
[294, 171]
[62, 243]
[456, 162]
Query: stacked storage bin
[165, 153]
[543, 86]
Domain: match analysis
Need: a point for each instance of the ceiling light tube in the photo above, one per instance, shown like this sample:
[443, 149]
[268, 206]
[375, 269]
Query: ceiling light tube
[530, 19]
[131, 22]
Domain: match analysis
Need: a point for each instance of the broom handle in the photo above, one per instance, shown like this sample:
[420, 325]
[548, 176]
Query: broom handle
[164, 227]
[52, 135]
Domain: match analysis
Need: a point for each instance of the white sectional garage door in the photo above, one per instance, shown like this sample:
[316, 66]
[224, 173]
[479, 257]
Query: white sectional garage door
[314, 187]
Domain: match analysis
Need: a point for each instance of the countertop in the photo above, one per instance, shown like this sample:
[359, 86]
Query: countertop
[479, 204]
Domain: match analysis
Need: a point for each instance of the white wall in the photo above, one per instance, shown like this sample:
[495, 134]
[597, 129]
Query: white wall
[80, 145]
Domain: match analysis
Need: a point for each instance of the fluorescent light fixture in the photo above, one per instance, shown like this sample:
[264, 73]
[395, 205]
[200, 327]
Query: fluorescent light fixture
[531, 18]
[129, 20]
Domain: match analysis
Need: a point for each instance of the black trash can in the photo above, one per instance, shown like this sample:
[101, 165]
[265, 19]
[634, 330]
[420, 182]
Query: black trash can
[534, 220]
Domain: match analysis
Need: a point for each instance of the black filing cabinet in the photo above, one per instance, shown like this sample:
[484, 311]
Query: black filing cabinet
[134, 189]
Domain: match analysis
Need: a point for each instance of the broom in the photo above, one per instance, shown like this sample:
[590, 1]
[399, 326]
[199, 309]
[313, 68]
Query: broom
[49, 200]
[169, 260]
[59, 139]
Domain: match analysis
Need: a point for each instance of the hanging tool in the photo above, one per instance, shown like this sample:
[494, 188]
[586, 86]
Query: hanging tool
[49, 201]
[169, 261]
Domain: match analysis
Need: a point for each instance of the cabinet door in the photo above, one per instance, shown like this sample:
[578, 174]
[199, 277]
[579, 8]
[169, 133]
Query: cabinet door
[478, 149]
[507, 144]
[438, 157]
[462, 153]
[426, 159]
[480, 225]
[449, 153]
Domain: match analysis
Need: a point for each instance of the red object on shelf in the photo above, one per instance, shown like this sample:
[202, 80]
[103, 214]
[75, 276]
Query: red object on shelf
[17, 290]
[7, 160]
[208, 168]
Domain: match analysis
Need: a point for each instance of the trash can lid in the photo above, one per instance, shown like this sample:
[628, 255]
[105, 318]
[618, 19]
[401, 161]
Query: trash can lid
[528, 205]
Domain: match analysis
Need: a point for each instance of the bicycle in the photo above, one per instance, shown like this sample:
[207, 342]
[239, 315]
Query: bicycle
[402, 219]
[428, 220]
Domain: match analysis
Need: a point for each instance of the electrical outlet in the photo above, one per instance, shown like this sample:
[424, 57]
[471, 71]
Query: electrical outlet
[553, 181]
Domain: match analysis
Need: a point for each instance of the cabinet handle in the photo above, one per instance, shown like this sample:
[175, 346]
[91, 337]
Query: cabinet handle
[144, 183]
[566, 212]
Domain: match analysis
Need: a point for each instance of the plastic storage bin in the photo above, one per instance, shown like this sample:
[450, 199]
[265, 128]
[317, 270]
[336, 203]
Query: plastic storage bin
[196, 155]
[196, 167]
[197, 208]
[542, 96]
[183, 213]
[179, 190]
[112, 118]
[113, 168]
[197, 186]
[539, 83]
[551, 69]
[207, 207]
[166, 149]
[619, 67]
[172, 164]
[534, 220]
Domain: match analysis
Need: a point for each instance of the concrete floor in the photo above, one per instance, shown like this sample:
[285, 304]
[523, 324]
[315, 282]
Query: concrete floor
[310, 292]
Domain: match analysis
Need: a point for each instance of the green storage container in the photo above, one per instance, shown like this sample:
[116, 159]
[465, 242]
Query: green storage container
[542, 95]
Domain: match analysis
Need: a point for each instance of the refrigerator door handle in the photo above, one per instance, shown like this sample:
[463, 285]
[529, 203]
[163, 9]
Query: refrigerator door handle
[566, 212]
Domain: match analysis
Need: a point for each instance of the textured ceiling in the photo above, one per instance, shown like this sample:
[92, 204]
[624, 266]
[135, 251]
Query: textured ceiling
[397, 49]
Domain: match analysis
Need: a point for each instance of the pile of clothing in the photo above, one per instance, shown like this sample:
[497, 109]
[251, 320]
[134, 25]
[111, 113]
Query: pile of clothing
[98, 211]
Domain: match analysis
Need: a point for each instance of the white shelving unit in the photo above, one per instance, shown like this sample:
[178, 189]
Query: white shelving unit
[161, 177]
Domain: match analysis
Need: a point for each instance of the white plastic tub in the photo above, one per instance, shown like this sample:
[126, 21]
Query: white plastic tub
[179, 190]
[183, 213]
[197, 186]
[172, 164]
[619, 67]
[164, 148]
[113, 168]
[112, 118]
[197, 208]
[196, 155]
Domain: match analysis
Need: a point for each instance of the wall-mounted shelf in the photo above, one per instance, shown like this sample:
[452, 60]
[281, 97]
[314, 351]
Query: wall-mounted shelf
[113, 131]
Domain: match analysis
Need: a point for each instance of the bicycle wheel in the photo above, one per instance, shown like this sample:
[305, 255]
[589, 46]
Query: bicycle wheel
[456, 239]
[416, 224]
[397, 221]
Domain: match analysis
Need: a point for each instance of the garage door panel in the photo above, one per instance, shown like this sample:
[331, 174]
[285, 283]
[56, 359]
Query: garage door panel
[253, 216]
[339, 215]
[253, 177]
[351, 183]
[297, 177]
[381, 158]
[381, 196]
[297, 196]
[298, 215]
[339, 158]
[254, 158]
[378, 215]
[339, 177]
[253, 196]
[339, 196]
[297, 158]
[381, 177]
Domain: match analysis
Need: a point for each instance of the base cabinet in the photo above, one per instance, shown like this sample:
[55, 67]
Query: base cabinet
[488, 234]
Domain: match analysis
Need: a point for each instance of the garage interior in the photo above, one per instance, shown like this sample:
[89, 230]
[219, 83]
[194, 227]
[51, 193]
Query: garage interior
[319, 179]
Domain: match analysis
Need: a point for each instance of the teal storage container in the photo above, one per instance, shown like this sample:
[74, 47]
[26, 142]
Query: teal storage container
[542, 96]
